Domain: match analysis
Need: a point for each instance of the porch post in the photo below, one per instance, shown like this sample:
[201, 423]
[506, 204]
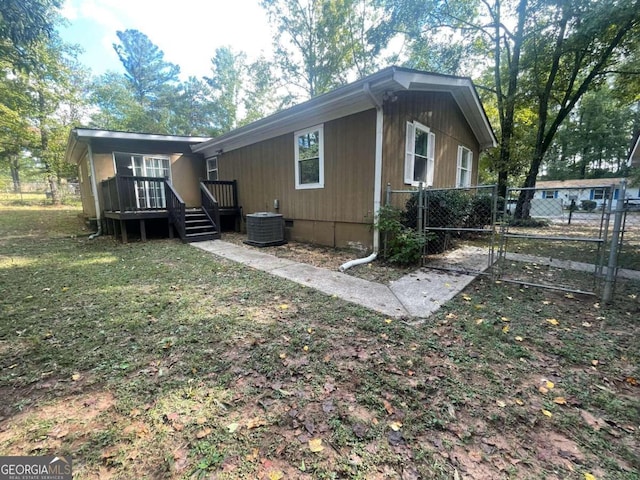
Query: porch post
[123, 231]
[143, 231]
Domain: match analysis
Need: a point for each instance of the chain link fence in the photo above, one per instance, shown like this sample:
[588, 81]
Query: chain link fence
[38, 193]
[533, 237]
[460, 220]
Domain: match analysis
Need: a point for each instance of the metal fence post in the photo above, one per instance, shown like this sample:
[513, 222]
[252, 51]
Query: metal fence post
[386, 234]
[607, 291]
[420, 210]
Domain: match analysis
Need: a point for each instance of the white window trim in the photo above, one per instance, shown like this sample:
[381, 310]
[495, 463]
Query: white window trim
[409, 161]
[320, 184]
[217, 169]
[144, 155]
[469, 169]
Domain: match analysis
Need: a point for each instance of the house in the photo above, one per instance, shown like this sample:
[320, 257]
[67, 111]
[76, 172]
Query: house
[595, 189]
[322, 164]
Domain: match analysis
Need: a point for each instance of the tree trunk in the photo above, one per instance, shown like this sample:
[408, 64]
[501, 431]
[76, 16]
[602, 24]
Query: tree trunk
[523, 206]
[14, 166]
[507, 103]
[55, 192]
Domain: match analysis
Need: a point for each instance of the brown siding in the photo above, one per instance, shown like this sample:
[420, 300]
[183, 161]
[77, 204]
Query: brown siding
[441, 114]
[186, 172]
[265, 172]
[86, 193]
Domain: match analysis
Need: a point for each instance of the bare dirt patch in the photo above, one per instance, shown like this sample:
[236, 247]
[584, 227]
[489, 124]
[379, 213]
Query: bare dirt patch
[329, 258]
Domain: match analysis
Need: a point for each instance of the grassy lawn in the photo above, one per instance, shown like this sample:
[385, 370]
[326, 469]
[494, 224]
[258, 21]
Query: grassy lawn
[156, 360]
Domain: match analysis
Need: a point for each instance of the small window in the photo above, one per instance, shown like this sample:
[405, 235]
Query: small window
[549, 194]
[212, 168]
[419, 160]
[309, 158]
[597, 194]
[465, 163]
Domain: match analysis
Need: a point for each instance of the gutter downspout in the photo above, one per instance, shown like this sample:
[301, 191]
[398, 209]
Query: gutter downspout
[377, 183]
[94, 189]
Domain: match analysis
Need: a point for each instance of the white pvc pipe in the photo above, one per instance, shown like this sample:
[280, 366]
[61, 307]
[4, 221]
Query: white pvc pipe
[377, 183]
[358, 261]
[94, 189]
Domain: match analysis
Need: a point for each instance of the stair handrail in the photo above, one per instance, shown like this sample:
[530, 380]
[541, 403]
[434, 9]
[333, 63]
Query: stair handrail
[210, 206]
[175, 209]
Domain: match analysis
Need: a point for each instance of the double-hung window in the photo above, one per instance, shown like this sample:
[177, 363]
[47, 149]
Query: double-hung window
[465, 162]
[309, 158]
[549, 194]
[212, 168]
[419, 160]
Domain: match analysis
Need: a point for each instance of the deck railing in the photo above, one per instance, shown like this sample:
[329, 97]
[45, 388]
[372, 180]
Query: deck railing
[210, 206]
[224, 191]
[110, 196]
[126, 193]
[175, 209]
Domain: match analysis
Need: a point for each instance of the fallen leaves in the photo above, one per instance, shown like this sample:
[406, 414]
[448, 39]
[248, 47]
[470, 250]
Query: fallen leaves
[560, 400]
[553, 321]
[255, 422]
[315, 445]
[547, 413]
[545, 386]
[395, 426]
[205, 432]
[275, 475]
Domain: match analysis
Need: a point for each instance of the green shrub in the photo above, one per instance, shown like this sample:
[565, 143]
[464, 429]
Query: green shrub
[588, 205]
[528, 222]
[403, 245]
[450, 209]
[481, 211]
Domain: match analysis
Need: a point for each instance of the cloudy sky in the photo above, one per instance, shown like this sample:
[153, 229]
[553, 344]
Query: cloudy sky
[187, 31]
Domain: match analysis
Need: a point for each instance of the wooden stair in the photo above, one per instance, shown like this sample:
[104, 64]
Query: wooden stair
[198, 226]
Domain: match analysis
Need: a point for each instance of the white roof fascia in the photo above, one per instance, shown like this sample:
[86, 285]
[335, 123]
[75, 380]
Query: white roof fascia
[87, 134]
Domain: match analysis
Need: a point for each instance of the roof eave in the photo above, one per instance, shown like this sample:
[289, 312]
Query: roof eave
[353, 98]
[90, 134]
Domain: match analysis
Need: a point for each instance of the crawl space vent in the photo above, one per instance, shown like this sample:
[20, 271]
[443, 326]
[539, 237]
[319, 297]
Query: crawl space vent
[265, 229]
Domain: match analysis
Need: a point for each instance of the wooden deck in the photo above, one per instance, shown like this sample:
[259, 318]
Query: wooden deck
[134, 198]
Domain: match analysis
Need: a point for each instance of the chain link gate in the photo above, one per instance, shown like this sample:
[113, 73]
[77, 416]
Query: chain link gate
[554, 240]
